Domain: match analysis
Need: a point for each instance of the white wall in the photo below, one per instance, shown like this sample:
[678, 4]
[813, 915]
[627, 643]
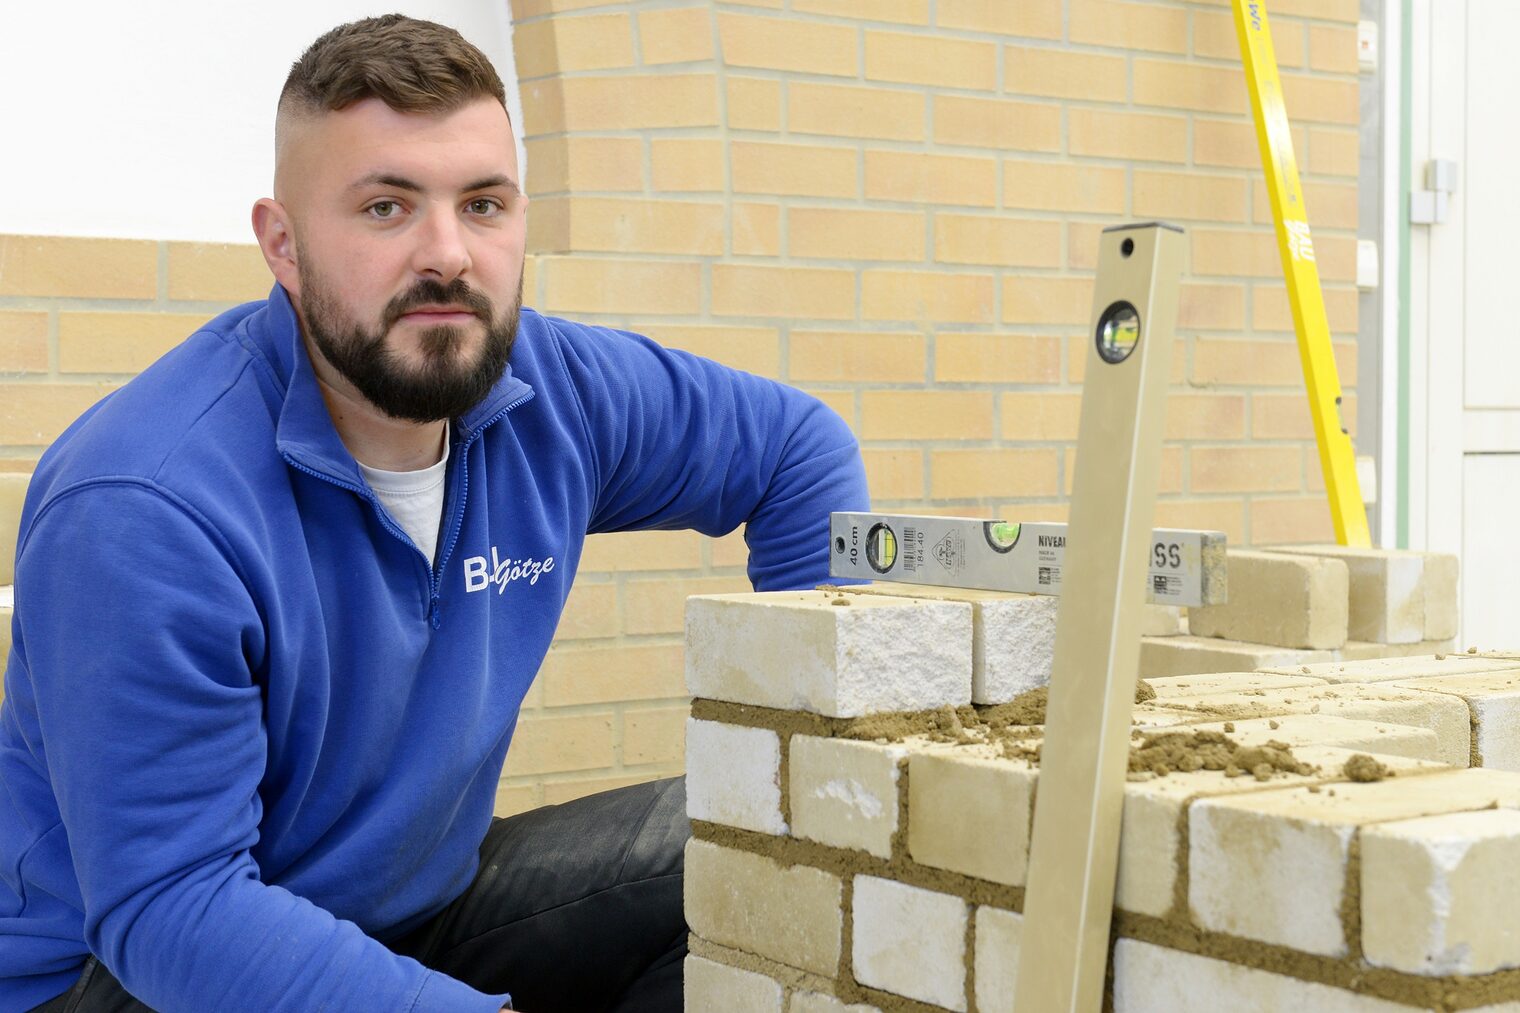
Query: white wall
[154, 119]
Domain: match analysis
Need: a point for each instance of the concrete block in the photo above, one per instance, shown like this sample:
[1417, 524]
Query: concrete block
[752, 903]
[970, 813]
[998, 934]
[816, 1002]
[1279, 599]
[1493, 703]
[1152, 979]
[844, 793]
[1329, 730]
[1362, 650]
[711, 987]
[798, 650]
[1271, 866]
[1439, 894]
[1390, 669]
[733, 776]
[1443, 596]
[1214, 683]
[1188, 655]
[1387, 591]
[1013, 635]
[910, 941]
[1162, 621]
[1366, 702]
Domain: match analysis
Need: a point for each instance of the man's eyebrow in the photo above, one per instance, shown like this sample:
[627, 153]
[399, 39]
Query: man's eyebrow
[402, 183]
[490, 182]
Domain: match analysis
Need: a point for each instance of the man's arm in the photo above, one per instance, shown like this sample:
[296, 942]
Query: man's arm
[136, 632]
[683, 442]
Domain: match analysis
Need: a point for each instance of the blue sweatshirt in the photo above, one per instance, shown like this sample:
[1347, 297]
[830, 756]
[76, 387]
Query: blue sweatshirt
[247, 729]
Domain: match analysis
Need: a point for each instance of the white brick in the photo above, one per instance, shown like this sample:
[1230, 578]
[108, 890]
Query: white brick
[1387, 591]
[1362, 650]
[969, 813]
[910, 941]
[1189, 655]
[1214, 683]
[1279, 599]
[710, 987]
[1442, 594]
[796, 650]
[752, 903]
[1329, 730]
[1493, 702]
[998, 935]
[844, 793]
[1161, 621]
[815, 1002]
[1151, 979]
[1389, 669]
[733, 776]
[1439, 894]
[1272, 866]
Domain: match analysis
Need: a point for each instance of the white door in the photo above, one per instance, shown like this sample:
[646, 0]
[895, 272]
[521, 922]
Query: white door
[1465, 308]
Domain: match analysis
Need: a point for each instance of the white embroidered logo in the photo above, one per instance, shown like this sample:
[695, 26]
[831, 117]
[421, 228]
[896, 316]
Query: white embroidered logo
[480, 573]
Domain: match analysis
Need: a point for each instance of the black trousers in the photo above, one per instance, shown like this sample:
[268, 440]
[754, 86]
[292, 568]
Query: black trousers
[576, 907]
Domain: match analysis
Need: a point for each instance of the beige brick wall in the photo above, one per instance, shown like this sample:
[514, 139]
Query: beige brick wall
[893, 204]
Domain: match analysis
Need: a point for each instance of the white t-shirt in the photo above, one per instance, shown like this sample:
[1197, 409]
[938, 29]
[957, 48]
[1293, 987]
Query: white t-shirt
[413, 498]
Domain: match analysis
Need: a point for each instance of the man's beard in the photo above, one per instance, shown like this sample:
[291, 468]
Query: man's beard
[444, 386]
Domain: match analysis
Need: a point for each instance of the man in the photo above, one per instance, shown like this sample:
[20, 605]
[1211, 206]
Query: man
[279, 598]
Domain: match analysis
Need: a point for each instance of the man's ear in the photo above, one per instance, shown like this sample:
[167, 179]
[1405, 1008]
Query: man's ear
[277, 241]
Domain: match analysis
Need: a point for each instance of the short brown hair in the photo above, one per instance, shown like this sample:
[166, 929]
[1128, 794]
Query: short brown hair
[413, 66]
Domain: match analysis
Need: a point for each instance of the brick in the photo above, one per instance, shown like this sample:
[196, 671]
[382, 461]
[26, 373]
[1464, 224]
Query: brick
[1247, 469]
[1205, 416]
[1361, 650]
[1132, 136]
[809, 47]
[1328, 205]
[733, 776]
[894, 474]
[923, 296]
[656, 606]
[522, 10]
[710, 987]
[35, 414]
[858, 356]
[999, 242]
[568, 44]
[1291, 520]
[654, 736]
[1229, 143]
[560, 791]
[998, 936]
[997, 123]
[1435, 888]
[1047, 300]
[1334, 152]
[926, 60]
[620, 102]
[686, 165]
[1286, 417]
[544, 744]
[1243, 254]
[756, 230]
[918, 177]
[797, 650]
[1493, 701]
[1387, 592]
[1162, 621]
[622, 285]
[926, 415]
[1272, 866]
[1279, 599]
[910, 941]
[906, 12]
[754, 103]
[1226, 362]
[562, 164]
[814, 293]
[512, 799]
[1129, 26]
[1062, 186]
[1321, 100]
[752, 903]
[846, 111]
[1270, 311]
[12, 499]
[1056, 73]
[848, 234]
[1040, 19]
[1045, 416]
[1195, 86]
[80, 268]
[840, 402]
[752, 349]
[1226, 515]
[969, 813]
[119, 342]
[844, 793]
[1190, 655]
[625, 551]
[614, 225]
[23, 342]
[971, 474]
[1391, 669]
[1152, 979]
[1442, 595]
[792, 169]
[1215, 683]
[817, 1002]
[996, 358]
[1190, 195]
[675, 36]
[582, 675]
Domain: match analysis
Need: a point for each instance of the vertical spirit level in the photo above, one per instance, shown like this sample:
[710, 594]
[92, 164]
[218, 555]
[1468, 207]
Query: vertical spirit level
[1074, 854]
[1337, 458]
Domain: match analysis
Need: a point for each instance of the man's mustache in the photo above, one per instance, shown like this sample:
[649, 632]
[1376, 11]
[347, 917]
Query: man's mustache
[432, 293]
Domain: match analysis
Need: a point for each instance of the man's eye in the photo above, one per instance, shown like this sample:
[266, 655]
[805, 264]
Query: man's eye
[383, 209]
[486, 206]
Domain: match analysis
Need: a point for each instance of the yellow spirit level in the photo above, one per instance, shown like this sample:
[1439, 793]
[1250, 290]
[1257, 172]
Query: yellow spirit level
[1295, 244]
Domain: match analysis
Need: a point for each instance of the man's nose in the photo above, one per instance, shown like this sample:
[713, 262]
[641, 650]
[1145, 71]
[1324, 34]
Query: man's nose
[442, 251]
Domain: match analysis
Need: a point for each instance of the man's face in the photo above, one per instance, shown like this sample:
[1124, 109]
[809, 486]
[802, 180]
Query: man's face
[409, 232]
